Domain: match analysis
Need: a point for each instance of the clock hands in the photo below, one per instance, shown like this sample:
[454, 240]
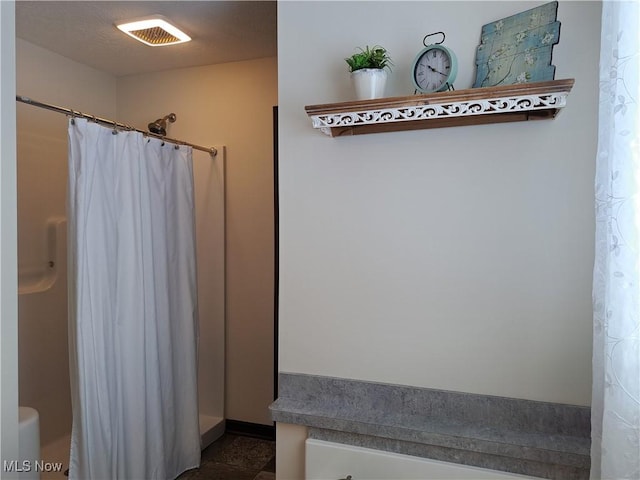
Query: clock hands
[434, 70]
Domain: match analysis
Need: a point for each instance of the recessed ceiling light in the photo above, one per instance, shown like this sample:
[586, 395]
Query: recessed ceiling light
[154, 31]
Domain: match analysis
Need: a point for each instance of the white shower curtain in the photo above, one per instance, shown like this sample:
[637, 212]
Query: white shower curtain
[133, 306]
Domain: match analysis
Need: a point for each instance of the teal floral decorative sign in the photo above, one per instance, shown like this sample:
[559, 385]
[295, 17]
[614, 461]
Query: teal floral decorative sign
[518, 49]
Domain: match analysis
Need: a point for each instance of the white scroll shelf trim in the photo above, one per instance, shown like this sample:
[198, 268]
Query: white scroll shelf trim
[454, 109]
[496, 104]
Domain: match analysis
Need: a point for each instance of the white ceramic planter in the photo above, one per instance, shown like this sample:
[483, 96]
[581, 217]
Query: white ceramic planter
[369, 83]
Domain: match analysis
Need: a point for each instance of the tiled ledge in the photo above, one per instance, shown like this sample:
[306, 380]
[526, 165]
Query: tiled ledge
[540, 439]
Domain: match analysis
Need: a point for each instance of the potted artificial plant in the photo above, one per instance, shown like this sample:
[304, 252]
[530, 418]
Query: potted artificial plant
[368, 69]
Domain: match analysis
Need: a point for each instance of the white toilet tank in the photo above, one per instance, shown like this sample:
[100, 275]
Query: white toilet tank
[29, 444]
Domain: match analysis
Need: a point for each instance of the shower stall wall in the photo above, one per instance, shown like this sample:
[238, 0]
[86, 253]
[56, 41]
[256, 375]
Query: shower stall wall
[43, 352]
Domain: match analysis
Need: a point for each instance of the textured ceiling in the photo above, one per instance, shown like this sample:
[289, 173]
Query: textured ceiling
[84, 31]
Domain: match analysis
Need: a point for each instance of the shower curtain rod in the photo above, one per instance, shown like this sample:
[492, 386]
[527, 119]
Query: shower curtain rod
[74, 113]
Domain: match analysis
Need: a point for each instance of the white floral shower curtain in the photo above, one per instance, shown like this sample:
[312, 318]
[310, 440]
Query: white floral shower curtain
[615, 450]
[133, 306]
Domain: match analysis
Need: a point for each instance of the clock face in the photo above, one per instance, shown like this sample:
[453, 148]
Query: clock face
[432, 70]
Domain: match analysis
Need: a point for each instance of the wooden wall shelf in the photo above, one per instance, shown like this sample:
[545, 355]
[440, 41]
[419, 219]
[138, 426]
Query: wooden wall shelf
[474, 106]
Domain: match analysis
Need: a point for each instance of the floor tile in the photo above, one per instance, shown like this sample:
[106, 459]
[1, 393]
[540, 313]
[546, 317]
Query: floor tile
[271, 466]
[243, 452]
[265, 476]
[219, 471]
[235, 457]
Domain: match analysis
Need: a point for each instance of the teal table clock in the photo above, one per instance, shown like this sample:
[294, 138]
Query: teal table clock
[435, 67]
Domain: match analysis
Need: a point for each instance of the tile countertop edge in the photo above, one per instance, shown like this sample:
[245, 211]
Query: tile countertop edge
[326, 403]
[405, 433]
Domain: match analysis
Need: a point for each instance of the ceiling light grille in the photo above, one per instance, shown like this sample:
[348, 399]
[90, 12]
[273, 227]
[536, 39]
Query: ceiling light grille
[155, 31]
[155, 36]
